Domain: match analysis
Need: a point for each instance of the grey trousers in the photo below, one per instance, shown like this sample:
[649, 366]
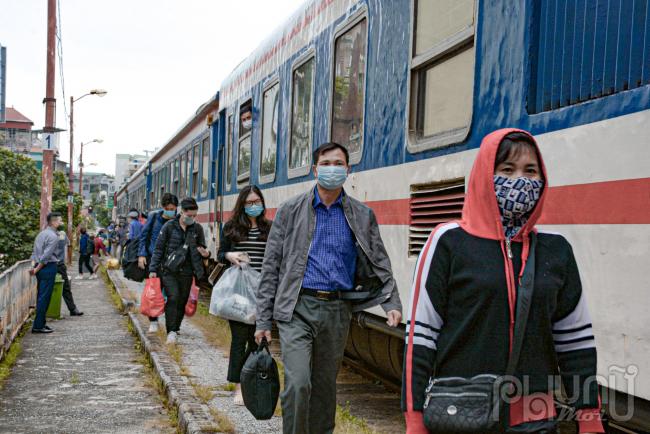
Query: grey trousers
[312, 345]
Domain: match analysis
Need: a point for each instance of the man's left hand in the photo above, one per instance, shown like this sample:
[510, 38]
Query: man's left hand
[394, 318]
[203, 252]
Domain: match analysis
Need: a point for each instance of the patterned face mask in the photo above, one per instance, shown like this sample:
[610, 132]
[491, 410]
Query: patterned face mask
[516, 198]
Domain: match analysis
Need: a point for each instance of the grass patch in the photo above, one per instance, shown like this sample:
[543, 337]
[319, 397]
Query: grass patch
[204, 393]
[223, 423]
[228, 387]
[12, 354]
[346, 423]
[176, 353]
[216, 330]
[74, 378]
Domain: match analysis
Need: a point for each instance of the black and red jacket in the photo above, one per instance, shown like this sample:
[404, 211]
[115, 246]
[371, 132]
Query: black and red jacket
[460, 321]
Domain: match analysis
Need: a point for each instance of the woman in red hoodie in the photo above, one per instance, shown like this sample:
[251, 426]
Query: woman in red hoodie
[461, 319]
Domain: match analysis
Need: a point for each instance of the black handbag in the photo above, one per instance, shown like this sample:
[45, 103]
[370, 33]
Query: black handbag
[176, 258]
[260, 383]
[474, 405]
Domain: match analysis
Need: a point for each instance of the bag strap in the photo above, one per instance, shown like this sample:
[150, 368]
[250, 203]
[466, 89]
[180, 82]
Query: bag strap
[524, 300]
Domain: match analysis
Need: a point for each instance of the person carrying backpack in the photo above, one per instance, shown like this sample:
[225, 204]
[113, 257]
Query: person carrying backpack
[86, 250]
[149, 236]
[177, 260]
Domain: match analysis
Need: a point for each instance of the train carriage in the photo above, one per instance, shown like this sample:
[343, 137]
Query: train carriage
[411, 87]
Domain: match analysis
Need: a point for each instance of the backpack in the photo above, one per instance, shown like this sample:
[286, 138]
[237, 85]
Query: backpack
[260, 383]
[90, 247]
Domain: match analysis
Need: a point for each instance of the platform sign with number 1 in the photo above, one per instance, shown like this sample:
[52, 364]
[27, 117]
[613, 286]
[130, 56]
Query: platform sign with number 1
[51, 141]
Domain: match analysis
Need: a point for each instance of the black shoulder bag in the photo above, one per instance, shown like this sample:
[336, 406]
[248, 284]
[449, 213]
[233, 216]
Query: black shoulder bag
[177, 257]
[474, 405]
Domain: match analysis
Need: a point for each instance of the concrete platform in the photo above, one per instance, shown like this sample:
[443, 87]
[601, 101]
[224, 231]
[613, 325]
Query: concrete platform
[83, 378]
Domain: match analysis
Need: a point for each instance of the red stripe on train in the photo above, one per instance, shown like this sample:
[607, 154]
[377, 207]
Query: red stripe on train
[611, 202]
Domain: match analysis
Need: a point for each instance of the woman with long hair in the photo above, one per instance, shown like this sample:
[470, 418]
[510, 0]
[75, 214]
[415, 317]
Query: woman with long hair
[497, 301]
[243, 241]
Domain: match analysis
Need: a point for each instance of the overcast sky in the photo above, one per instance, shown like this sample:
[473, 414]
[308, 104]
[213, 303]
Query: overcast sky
[159, 60]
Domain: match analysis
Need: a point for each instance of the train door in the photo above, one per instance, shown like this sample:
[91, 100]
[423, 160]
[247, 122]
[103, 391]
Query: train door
[218, 142]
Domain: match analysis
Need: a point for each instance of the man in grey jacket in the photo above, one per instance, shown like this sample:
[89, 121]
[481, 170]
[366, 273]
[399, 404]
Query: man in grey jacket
[324, 260]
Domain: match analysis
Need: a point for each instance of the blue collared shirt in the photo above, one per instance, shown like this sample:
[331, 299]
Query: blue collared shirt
[45, 246]
[332, 259]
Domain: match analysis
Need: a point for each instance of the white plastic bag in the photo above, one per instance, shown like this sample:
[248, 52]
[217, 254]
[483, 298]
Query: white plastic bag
[233, 296]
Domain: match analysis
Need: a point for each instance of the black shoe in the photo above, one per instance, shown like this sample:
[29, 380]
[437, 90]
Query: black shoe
[76, 313]
[47, 327]
[43, 330]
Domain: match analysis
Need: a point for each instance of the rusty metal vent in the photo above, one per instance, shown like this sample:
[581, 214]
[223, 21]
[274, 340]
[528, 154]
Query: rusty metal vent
[431, 205]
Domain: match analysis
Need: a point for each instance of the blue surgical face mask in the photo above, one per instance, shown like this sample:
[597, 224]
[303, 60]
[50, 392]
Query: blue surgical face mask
[253, 210]
[170, 214]
[332, 177]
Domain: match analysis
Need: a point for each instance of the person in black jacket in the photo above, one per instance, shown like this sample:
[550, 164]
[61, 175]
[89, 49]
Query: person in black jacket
[243, 240]
[180, 236]
[461, 318]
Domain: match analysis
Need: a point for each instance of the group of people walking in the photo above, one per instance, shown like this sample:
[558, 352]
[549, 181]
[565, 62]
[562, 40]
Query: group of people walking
[493, 298]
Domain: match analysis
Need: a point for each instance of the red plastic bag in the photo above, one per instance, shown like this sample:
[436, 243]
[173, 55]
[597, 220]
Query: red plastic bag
[190, 306]
[152, 303]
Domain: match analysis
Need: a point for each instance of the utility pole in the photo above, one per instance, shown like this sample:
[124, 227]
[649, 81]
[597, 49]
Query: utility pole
[70, 185]
[50, 114]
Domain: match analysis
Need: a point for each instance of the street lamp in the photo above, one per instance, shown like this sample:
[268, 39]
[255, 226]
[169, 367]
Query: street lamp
[81, 162]
[100, 93]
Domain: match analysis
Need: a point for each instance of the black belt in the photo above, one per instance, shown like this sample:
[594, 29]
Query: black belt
[321, 295]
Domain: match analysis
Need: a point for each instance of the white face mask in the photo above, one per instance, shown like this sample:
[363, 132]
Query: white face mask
[247, 124]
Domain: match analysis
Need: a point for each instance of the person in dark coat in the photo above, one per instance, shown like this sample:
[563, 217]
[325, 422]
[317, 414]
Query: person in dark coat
[63, 271]
[149, 236]
[180, 236]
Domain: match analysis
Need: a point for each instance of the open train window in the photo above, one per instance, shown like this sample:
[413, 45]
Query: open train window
[442, 73]
[269, 148]
[195, 171]
[302, 110]
[229, 141]
[349, 86]
[205, 165]
[244, 148]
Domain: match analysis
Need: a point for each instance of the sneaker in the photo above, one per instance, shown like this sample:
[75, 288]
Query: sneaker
[171, 338]
[153, 327]
[93, 276]
[79, 277]
[238, 399]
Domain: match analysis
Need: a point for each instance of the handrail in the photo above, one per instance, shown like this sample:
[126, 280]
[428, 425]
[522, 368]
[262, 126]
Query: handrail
[17, 298]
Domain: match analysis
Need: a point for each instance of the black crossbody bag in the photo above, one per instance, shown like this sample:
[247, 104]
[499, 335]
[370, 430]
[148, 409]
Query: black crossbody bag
[177, 257]
[475, 405]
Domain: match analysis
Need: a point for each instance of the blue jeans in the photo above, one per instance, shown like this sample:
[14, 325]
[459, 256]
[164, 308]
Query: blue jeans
[45, 279]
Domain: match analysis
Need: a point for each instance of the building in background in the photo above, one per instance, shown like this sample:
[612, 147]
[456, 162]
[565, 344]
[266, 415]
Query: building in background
[16, 131]
[100, 185]
[3, 81]
[126, 165]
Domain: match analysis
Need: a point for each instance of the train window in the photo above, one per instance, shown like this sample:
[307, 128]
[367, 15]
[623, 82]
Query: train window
[244, 149]
[195, 171]
[181, 176]
[301, 118]
[581, 51]
[442, 73]
[229, 141]
[269, 146]
[163, 183]
[175, 177]
[188, 172]
[348, 94]
[205, 165]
